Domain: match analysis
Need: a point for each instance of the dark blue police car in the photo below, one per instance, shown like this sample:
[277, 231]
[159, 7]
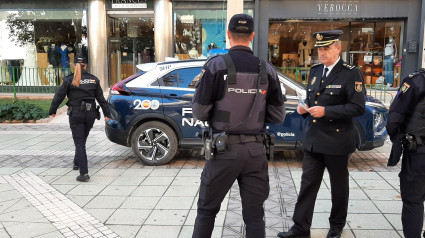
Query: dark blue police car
[151, 112]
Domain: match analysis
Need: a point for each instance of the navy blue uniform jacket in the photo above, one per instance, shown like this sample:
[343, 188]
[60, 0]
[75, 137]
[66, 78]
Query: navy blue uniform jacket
[89, 89]
[343, 96]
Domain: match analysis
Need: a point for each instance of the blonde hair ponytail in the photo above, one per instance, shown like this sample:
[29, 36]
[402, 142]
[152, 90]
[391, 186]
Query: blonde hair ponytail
[77, 75]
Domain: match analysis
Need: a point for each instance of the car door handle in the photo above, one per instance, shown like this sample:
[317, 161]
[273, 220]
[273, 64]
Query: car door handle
[172, 95]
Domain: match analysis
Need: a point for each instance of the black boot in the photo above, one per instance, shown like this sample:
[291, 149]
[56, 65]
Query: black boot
[83, 177]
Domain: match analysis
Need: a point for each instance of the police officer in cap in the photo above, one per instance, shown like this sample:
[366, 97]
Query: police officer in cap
[335, 95]
[406, 128]
[82, 90]
[237, 94]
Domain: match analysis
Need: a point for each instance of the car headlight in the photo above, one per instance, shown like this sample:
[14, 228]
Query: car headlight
[377, 120]
[375, 104]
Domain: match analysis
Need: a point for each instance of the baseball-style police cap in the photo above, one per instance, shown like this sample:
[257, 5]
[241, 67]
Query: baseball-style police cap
[324, 38]
[80, 59]
[241, 23]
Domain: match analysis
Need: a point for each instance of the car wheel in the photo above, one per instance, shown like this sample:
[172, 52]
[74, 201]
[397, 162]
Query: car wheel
[154, 143]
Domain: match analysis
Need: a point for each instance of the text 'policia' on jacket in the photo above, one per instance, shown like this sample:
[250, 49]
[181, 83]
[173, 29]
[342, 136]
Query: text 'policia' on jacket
[224, 116]
[241, 87]
[88, 91]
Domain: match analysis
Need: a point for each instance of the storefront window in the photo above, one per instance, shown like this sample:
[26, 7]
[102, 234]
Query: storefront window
[38, 47]
[370, 45]
[197, 32]
[131, 42]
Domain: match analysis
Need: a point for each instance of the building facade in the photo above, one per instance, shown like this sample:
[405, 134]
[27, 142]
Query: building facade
[38, 41]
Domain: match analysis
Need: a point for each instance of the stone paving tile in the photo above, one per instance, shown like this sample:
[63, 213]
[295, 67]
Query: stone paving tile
[376, 233]
[128, 217]
[159, 231]
[147, 203]
[167, 217]
[106, 202]
[125, 230]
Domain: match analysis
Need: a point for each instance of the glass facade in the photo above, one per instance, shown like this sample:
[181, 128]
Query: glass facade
[199, 29]
[130, 42]
[37, 47]
[372, 46]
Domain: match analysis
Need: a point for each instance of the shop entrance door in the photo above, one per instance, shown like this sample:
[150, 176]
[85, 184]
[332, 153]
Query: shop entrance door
[130, 42]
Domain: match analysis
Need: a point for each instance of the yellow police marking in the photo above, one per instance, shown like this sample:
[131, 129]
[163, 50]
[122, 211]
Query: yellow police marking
[313, 80]
[405, 87]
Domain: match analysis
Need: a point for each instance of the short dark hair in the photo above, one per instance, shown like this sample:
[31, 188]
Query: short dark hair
[240, 36]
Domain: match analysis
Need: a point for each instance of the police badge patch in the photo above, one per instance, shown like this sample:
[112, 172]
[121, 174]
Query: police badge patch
[358, 86]
[405, 87]
[313, 80]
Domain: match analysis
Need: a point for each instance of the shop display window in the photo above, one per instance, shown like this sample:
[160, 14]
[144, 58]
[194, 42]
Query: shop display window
[197, 32]
[372, 46]
[37, 47]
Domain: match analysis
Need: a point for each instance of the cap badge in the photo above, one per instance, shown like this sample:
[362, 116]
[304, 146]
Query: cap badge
[319, 37]
[242, 22]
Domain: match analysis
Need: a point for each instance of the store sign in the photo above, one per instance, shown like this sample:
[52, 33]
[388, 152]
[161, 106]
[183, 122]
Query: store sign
[338, 7]
[129, 4]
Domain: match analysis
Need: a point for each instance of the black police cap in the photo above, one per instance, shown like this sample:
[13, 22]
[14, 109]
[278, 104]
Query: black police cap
[80, 59]
[325, 38]
[241, 23]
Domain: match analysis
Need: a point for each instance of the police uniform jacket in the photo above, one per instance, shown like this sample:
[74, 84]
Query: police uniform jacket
[212, 85]
[88, 90]
[342, 95]
[410, 95]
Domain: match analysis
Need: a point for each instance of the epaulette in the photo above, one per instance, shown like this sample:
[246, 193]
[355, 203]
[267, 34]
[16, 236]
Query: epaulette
[316, 65]
[348, 66]
[411, 75]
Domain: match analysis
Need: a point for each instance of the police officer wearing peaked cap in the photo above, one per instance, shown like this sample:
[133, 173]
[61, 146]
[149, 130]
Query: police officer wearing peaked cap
[82, 90]
[240, 112]
[406, 128]
[335, 95]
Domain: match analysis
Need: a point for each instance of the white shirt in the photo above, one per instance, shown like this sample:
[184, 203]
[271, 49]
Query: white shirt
[330, 67]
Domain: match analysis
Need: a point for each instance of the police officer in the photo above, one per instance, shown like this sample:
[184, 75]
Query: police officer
[406, 125]
[238, 93]
[82, 89]
[335, 95]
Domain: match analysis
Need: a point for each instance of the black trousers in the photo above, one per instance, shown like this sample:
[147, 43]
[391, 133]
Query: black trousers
[81, 124]
[247, 163]
[314, 165]
[412, 188]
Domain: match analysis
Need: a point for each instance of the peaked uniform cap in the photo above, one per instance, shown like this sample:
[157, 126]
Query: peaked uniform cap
[325, 38]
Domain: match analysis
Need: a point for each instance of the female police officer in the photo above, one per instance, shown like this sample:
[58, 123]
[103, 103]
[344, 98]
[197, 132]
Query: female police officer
[82, 89]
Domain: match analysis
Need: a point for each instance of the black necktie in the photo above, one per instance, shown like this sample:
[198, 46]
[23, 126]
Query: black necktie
[324, 76]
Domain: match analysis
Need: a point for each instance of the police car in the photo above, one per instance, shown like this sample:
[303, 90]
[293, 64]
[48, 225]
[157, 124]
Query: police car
[151, 112]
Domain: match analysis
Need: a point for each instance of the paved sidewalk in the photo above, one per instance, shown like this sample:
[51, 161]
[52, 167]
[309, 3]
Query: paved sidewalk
[124, 198]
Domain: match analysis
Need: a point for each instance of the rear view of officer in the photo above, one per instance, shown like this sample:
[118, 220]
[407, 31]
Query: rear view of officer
[406, 128]
[237, 94]
[82, 89]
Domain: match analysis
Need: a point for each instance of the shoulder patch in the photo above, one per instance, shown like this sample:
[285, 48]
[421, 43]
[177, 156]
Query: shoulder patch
[316, 65]
[348, 66]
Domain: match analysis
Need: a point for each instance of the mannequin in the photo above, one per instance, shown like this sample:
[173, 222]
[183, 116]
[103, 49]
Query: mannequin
[390, 55]
[64, 54]
[305, 50]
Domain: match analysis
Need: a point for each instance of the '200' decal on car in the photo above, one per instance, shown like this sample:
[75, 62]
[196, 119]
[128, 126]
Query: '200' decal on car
[146, 104]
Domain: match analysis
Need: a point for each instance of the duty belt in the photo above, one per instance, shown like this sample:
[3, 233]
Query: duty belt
[237, 139]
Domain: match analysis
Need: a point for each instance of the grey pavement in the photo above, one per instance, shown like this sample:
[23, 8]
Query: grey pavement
[124, 198]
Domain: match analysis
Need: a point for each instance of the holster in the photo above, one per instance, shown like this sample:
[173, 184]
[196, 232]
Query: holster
[269, 140]
[69, 111]
[98, 112]
[208, 142]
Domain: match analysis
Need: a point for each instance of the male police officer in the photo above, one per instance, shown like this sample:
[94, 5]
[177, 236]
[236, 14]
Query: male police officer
[335, 95]
[237, 94]
[406, 124]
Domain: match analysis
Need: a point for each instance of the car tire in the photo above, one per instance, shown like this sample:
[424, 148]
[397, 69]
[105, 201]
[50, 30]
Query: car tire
[154, 143]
